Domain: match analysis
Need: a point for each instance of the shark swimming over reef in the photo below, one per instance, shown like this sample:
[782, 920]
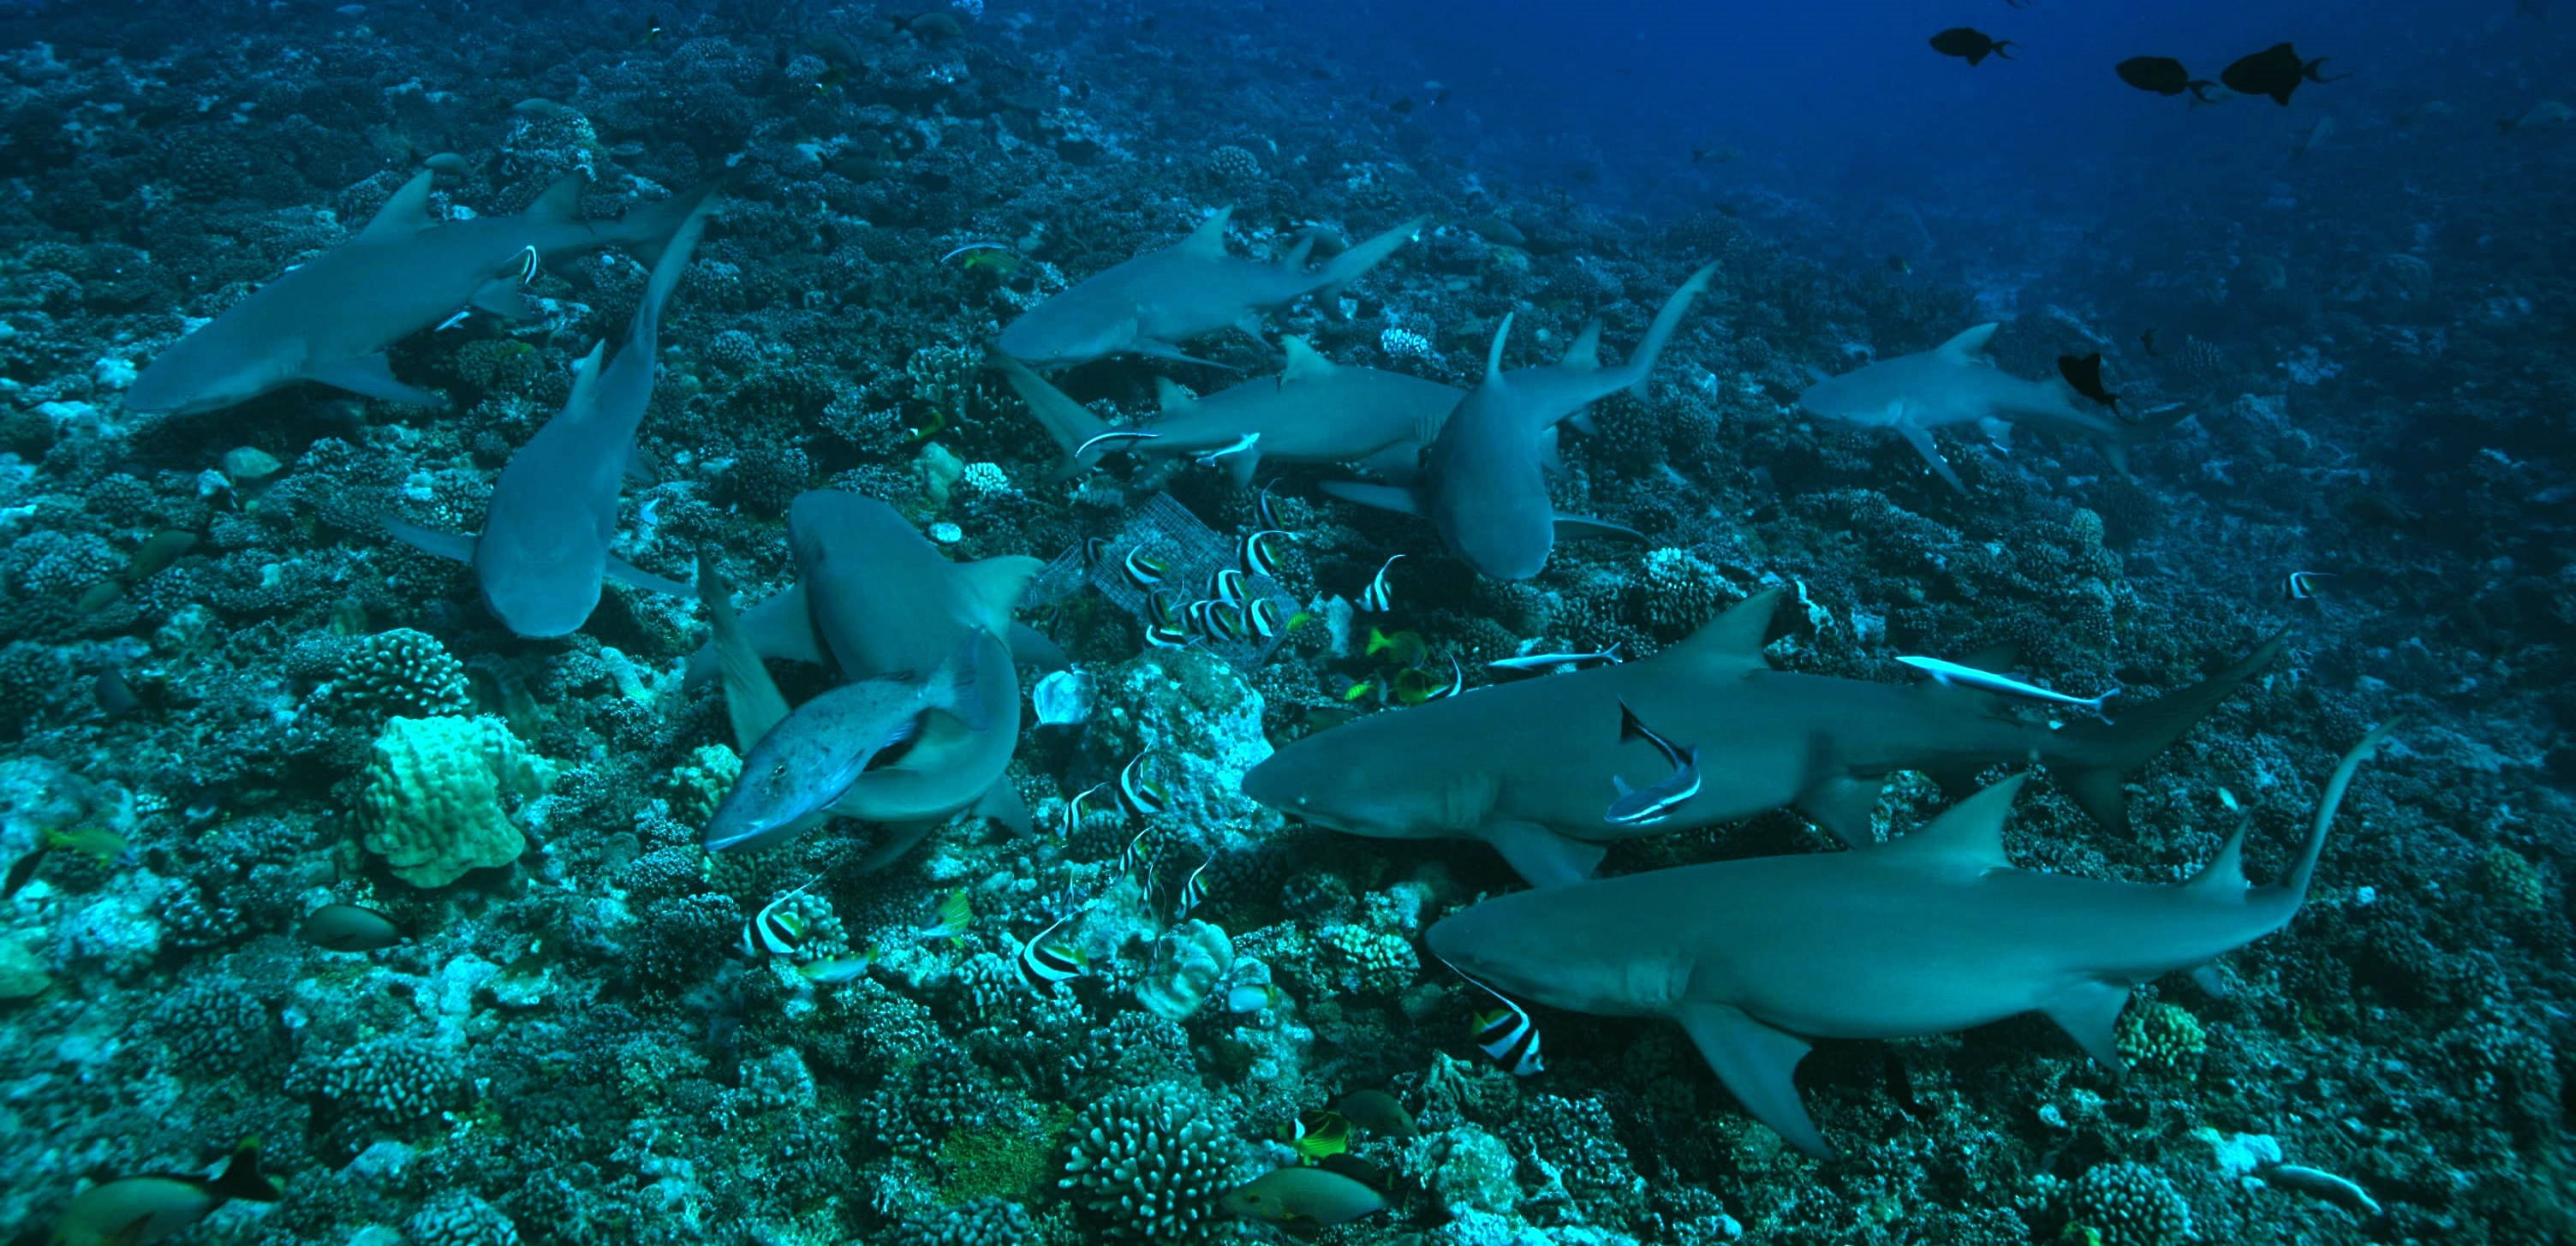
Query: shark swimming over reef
[1483, 481]
[1529, 766]
[1154, 302]
[873, 599]
[1314, 411]
[1926, 934]
[1957, 383]
[330, 318]
[553, 516]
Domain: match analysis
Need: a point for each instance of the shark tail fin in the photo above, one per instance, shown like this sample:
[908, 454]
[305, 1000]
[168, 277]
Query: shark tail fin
[649, 231]
[1641, 366]
[668, 267]
[241, 1178]
[2091, 759]
[1067, 423]
[2115, 446]
[753, 703]
[2295, 887]
[1343, 269]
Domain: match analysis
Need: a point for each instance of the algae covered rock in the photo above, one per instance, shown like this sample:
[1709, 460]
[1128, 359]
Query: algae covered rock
[1189, 961]
[435, 802]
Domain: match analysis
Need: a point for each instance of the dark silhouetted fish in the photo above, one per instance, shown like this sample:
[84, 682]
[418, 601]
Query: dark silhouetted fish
[2275, 71]
[1973, 45]
[2084, 372]
[2163, 75]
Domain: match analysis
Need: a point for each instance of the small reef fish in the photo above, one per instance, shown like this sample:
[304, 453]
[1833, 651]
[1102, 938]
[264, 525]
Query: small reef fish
[1262, 616]
[2302, 585]
[973, 247]
[349, 928]
[1651, 804]
[1379, 1113]
[1987, 681]
[1193, 891]
[1241, 444]
[1073, 809]
[137, 1211]
[1550, 661]
[1143, 569]
[1506, 1034]
[2163, 75]
[776, 930]
[21, 870]
[1258, 560]
[1307, 1195]
[1043, 965]
[1970, 44]
[2276, 72]
[2084, 374]
[95, 842]
[955, 914]
[1264, 509]
[1408, 647]
[1166, 627]
[1133, 855]
[1378, 598]
[833, 971]
[1138, 791]
[2542, 115]
[1115, 434]
[1320, 1135]
[1228, 585]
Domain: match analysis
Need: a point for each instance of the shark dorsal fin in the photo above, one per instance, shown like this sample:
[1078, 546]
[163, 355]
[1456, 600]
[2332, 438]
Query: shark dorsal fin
[561, 202]
[405, 214]
[1731, 642]
[1296, 261]
[1969, 346]
[1304, 364]
[1208, 240]
[992, 587]
[1169, 396]
[2225, 873]
[585, 379]
[1586, 351]
[1967, 837]
[1494, 353]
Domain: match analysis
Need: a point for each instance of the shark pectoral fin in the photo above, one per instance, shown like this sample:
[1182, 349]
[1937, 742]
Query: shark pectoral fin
[1397, 462]
[1031, 647]
[1542, 856]
[1759, 1066]
[1240, 465]
[1153, 349]
[1582, 528]
[1383, 497]
[895, 839]
[1843, 806]
[994, 585]
[1584, 423]
[1250, 326]
[625, 572]
[500, 296]
[1922, 443]
[370, 376]
[2090, 1014]
[456, 545]
[1002, 803]
[777, 628]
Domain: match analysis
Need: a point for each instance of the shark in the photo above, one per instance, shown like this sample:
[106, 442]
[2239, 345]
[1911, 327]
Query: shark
[874, 599]
[1530, 766]
[1930, 933]
[330, 319]
[1313, 411]
[1483, 477]
[1958, 383]
[548, 529]
[1154, 302]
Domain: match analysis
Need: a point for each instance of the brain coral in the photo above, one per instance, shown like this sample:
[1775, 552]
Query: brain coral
[432, 807]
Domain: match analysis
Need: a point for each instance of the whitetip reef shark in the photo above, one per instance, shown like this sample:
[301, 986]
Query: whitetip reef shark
[1483, 476]
[1313, 411]
[1927, 934]
[875, 599]
[1958, 383]
[330, 319]
[552, 519]
[1529, 766]
[1154, 302]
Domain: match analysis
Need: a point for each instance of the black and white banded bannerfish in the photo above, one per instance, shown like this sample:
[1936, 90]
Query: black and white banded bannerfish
[1143, 569]
[1073, 808]
[1506, 1034]
[1043, 965]
[1258, 557]
[2302, 585]
[776, 930]
[1655, 802]
[1261, 615]
[1166, 626]
[1193, 890]
[1137, 790]
[1377, 598]
[1229, 586]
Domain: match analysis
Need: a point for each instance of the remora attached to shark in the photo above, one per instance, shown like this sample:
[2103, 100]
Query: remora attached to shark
[1314, 411]
[330, 319]
[546, 534]
[1524, 765]
[1151, 304]
[874, 599]
[1483, 478]
[1927, 934]
[1958, 383]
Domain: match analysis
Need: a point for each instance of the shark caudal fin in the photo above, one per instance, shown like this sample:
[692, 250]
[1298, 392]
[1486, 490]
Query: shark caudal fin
[647, 231]
[2091, 759]
[1343, 269]
[2115, 446]
[1074, 429]
[1634, 374]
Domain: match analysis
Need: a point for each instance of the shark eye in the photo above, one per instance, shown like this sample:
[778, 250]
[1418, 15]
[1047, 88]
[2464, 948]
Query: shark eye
[778, 773]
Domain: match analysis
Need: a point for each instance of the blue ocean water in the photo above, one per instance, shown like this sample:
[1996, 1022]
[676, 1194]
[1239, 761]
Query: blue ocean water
[1002, 622]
